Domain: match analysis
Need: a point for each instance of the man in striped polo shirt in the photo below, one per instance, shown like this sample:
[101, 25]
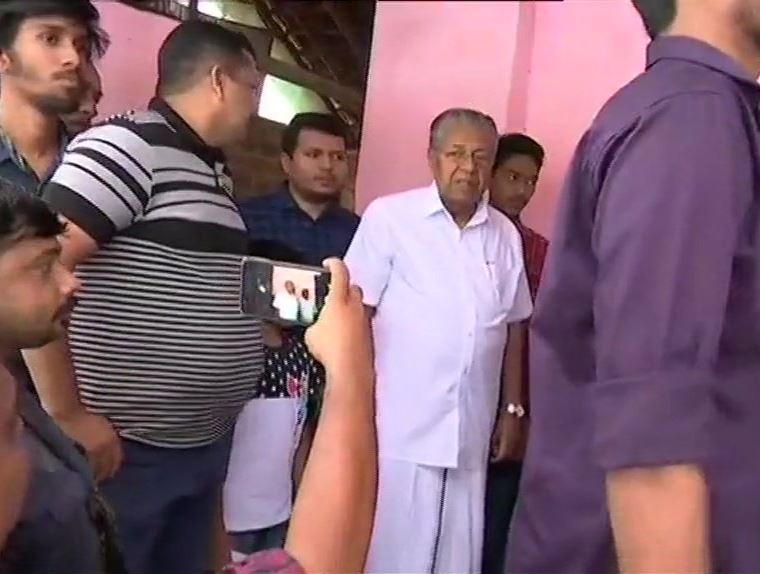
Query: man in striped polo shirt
[159, 361]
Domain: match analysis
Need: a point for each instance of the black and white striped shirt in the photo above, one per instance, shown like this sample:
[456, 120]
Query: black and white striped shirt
[158, 341]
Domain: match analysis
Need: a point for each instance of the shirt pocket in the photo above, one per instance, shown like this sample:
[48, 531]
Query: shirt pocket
[502, 270]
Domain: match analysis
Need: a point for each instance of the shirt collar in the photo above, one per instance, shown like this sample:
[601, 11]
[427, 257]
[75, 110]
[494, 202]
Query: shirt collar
[190, 138]
[433, 205]
[282, 198]
[693, 50]
[8, 151]
[515, 219]
[284, 201]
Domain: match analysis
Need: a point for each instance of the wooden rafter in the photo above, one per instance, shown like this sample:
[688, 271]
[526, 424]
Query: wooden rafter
[346, 30]
[349, 99]
[349, 113]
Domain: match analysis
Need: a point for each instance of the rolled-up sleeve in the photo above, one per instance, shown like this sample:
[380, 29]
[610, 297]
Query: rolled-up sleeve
[369, 258]
[674, 193]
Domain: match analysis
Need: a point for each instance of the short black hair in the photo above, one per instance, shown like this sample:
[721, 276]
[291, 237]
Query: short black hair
[192, 48]
[25, 216]
[657, 15]
[518, 144]
[323, 123]
[13, 13]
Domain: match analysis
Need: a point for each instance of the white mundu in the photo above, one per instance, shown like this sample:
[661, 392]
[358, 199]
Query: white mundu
[444, 297]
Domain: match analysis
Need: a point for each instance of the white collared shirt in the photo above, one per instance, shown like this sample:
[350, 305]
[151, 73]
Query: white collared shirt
[443, 297]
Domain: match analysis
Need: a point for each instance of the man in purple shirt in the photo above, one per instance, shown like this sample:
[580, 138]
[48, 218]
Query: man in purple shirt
[645, 349]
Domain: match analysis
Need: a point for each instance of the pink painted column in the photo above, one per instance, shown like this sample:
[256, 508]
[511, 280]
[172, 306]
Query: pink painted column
[129, 67]
[583, 52]
[540, 67]
[426, 57]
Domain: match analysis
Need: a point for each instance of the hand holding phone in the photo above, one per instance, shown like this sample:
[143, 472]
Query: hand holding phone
[282, 293]
[341, 340]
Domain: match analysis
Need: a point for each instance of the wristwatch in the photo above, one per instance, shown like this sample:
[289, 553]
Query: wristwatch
[516, 410]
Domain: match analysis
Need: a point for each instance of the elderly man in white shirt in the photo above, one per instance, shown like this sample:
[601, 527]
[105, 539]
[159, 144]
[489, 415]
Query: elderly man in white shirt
[443, 275]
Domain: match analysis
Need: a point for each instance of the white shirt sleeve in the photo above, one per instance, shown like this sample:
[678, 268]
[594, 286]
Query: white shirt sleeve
[522, 308]
[369, 258]
[522, 305]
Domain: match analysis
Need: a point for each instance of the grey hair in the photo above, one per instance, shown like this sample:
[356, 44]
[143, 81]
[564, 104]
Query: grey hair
[444, 120]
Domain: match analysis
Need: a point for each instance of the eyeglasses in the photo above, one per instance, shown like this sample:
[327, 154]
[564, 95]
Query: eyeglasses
[461, 156]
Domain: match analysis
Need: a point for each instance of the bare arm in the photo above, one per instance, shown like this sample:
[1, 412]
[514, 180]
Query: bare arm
[660, 519]
[510, 436]
[50, 366]
[333, 513]
[657, 337]
[512, 380]
[53, 374]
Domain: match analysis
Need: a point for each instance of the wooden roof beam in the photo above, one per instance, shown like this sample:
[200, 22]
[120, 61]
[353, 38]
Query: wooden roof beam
[351, 99]
[346, 30]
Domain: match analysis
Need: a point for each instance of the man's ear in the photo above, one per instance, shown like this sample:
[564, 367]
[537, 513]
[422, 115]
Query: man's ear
[5, 62]
[217, 85]
[432, 157]
[285, 161]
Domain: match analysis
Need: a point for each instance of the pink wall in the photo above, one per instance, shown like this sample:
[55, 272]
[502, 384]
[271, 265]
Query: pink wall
[583, 51]
[542, 67]
[129, 67]
[426, 57]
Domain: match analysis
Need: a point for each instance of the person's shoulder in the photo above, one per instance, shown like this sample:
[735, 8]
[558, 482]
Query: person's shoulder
[503, 226]
[264, 202]
[348, 214]
[536, 237]
[664, 92]
[397, 203]
[149, 127]
[346, 218]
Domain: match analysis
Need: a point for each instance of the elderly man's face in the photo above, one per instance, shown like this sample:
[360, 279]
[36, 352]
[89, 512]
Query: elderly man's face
[81, 120]
[462, 165]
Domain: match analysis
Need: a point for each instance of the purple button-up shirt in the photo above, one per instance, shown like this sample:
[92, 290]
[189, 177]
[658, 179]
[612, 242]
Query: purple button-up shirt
[645, 345]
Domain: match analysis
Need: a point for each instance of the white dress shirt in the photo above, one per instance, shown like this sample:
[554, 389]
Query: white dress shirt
[444, 297]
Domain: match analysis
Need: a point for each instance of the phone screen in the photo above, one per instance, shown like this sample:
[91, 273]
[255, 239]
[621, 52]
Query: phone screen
[282, 293]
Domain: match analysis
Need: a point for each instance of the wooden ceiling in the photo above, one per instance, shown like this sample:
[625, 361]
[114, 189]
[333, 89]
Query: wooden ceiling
[329, 40]
[332, 37]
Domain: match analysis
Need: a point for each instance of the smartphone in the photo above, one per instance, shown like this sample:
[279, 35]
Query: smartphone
[283, 293]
